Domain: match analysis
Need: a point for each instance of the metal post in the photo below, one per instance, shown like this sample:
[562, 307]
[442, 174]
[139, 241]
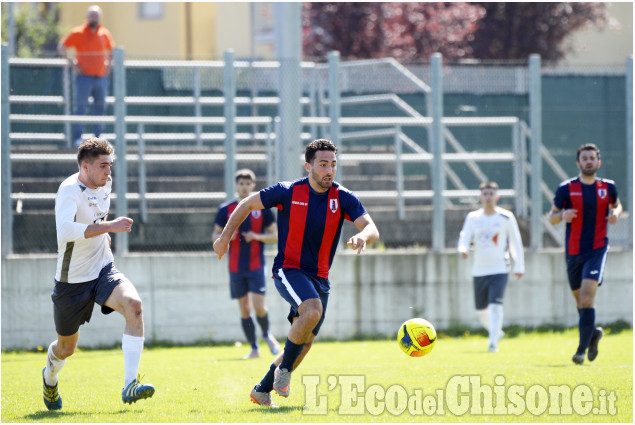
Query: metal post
[143, 203]
[197, 104]
[313, 99]
[121, 168]
[629, 142]
[518, 169]
[288, 43]
[399, 175]
[535, 116]
[277, 129]
[269, 150]
[437, 148]
[523, 160]
[7, 209]
[66, 90]
[334, 103]
[229, 92]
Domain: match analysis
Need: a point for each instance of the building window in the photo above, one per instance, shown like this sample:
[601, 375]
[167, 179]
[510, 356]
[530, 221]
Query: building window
[150, 10]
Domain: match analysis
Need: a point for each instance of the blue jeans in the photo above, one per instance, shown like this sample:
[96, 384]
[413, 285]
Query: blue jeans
[85, 86]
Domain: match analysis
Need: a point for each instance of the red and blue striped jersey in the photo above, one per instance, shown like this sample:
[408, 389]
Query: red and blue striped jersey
[245, 256]
[592, 201]
[309, 223]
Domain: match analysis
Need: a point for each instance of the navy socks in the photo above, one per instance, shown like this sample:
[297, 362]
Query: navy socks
[250, 331]
[587, 328]
[291, 353]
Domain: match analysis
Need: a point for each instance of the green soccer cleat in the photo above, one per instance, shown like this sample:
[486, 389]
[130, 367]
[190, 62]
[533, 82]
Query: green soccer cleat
[136, 391]
[52, 398]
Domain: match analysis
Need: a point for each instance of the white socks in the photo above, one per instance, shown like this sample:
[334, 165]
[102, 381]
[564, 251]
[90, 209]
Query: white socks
[132, 347]
[53, 367]
[483, 317]
[495, 322]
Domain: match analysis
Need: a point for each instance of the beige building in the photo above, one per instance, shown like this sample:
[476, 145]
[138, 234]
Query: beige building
[205, 30]
[170, 30]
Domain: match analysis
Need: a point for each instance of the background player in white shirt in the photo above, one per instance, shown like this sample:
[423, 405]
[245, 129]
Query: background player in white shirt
[86, 274]
[495, 234]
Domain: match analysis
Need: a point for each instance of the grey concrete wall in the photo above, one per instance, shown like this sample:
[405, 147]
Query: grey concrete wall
[186, 297]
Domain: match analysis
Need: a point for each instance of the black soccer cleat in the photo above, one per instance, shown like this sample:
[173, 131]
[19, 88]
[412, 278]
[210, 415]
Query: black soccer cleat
[593, 346]
[578, 358]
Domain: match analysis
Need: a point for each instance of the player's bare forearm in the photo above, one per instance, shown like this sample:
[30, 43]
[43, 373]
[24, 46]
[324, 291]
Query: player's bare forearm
[244, 207]
[118, 225]
[367, 235]
[615, 212]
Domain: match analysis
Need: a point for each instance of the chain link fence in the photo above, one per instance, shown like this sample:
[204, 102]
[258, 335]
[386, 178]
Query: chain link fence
[183, 171]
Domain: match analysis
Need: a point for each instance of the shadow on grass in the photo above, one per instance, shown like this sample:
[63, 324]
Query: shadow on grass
[54, 414]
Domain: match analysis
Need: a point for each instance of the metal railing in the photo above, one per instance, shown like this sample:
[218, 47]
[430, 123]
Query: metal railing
[267, 129]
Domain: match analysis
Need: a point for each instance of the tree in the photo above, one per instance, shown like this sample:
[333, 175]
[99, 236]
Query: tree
[516, 30]
[409, 31]
[36, 28]
[399, 30]
[351, 28]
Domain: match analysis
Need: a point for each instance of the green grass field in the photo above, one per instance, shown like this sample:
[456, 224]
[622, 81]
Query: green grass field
[529, 375]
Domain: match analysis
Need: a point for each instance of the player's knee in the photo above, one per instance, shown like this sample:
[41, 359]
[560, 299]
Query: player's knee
[134, 308]
[314, 314]
[65, 350]
[586, 301]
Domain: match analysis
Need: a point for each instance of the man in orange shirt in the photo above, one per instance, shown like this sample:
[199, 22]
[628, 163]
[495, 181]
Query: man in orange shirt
[93, 45]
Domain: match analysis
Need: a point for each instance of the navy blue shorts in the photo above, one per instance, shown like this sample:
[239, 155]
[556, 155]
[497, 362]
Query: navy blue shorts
[489, 289]
[589, 265]
[73, 302]
[296, 286]
[243, 282]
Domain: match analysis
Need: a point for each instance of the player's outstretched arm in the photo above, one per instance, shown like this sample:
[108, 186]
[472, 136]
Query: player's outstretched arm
[367, 235]
[244, 207]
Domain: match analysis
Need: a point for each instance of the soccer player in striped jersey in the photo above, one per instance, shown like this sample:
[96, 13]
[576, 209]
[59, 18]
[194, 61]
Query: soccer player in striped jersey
[311, 212]
[495, 234]
[247, 262]
[86, 274]
[586, 203]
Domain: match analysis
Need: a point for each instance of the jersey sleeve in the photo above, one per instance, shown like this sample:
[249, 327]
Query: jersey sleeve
[612, 193]
[516, 245]
[561, 198]
[221, 216]
[465, 237]
[267, 218]
[352, 206]
[273, 196]
[65, 210]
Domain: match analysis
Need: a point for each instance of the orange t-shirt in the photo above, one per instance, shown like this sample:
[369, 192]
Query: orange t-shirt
[93, 48]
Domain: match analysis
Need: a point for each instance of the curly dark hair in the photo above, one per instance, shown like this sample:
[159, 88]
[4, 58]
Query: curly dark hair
[318, 145]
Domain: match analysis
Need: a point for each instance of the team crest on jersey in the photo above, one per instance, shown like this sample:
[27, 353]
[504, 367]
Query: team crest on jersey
[333, 204]
[602, 193]
[256, 213]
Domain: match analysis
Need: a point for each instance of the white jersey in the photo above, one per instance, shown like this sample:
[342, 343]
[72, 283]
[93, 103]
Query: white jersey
[77, 206]
[492, 236]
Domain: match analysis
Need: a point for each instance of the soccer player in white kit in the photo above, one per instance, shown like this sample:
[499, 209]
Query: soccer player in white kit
[495, 234]
[86, 274]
